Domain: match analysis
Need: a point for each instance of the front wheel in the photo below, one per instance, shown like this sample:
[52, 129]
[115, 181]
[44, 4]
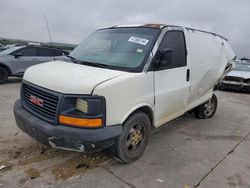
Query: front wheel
[3, 75]
[134, 138]
[207, 109]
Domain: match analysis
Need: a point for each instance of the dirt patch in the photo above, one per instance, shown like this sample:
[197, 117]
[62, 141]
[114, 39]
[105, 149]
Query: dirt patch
[41, 155]
[6, 141]
[20, 152]
[32, 173]
[200, 136]
[79, 165]
[235, 181]
[33, 153]
[65, 163]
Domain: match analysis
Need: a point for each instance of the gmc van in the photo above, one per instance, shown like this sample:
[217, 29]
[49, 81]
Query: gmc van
[118, 84]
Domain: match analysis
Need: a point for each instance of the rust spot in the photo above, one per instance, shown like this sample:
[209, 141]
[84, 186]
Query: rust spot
[157, 26]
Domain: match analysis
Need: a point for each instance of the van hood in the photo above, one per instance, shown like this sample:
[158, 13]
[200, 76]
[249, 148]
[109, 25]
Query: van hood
[241, 74]
[69, 78]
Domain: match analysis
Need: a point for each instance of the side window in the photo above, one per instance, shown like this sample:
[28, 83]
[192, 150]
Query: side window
[173, 44]
[60, 53]
[46, 52]
[65, 53]
[29, 51]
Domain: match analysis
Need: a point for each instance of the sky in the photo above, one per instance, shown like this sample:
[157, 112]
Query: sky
[72, 20]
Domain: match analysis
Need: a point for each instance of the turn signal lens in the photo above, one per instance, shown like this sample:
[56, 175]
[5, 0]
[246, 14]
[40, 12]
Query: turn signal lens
[80, 122]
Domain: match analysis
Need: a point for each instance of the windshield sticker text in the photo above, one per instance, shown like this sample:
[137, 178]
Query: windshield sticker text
[138, 40]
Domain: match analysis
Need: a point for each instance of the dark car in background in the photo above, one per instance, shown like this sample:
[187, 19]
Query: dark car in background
[14, 61]
[238, 78]
[2, 48]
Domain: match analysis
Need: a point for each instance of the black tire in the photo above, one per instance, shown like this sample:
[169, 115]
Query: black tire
[207, 109]
[134, 139]
[3, 75]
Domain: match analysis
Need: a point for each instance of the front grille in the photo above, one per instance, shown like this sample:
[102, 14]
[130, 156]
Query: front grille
[49, 106]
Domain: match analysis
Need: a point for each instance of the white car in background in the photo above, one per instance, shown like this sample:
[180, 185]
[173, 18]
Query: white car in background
[238, 78]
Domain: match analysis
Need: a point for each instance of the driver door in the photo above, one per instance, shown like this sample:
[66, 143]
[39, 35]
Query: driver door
[26, 57]
[171, 78]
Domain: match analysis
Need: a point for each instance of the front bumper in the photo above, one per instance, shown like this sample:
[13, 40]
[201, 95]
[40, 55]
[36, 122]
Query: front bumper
[65, 137]
[233, 86]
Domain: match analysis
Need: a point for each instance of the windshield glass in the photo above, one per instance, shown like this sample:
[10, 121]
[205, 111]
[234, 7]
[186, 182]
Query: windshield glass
[242, 67]
[10, 50]
[119, 47]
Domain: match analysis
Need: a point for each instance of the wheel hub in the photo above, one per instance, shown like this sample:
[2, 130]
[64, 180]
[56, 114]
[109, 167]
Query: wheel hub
[209, 108]
[136, 137]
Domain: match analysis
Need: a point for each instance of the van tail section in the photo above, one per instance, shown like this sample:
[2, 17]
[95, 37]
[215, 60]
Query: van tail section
[227, 70]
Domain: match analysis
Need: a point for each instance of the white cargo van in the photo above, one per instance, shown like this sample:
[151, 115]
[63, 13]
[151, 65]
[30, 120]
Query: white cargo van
[118, 84]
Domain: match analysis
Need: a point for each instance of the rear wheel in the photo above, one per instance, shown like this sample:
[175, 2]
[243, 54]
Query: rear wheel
[207, 109]
[134, 139]
[3, 75]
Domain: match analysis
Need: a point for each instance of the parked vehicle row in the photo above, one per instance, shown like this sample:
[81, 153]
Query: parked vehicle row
[14, 61]
[2, 48]
[122, 82]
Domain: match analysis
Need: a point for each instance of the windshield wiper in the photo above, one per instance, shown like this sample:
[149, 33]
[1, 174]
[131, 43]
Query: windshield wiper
[93, 64]
[73, 59]
[96, 64]
[104, 66]
[86, 62]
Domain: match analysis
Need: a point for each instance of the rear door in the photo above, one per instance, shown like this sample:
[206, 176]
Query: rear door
[28, 58]
[171, 79]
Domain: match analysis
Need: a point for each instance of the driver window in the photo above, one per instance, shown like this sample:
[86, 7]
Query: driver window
[28, 51]
[174, 41]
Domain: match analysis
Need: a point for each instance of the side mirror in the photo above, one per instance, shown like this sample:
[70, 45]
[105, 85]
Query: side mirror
[17, 55]
[166, 56]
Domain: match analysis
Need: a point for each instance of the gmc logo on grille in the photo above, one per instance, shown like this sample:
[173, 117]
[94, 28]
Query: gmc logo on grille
[35, 100]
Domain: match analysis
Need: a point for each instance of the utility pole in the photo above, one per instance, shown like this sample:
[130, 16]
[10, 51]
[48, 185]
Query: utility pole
[48, 28]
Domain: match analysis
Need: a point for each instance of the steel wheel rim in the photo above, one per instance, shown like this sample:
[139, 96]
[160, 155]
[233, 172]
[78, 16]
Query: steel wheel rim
[135, 138]
[209, 107]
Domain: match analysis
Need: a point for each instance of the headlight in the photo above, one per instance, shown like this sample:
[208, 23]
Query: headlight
[82, 105]
[83, 111]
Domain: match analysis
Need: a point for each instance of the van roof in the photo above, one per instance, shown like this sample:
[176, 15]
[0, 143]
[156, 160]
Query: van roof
[152, 25]
[161, 26]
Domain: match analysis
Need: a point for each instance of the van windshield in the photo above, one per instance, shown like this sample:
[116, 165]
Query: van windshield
[117, 48]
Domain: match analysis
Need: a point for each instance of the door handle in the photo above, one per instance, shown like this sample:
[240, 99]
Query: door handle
[188, 75]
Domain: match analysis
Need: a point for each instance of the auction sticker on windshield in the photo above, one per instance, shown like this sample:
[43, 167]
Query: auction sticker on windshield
[138, 40]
